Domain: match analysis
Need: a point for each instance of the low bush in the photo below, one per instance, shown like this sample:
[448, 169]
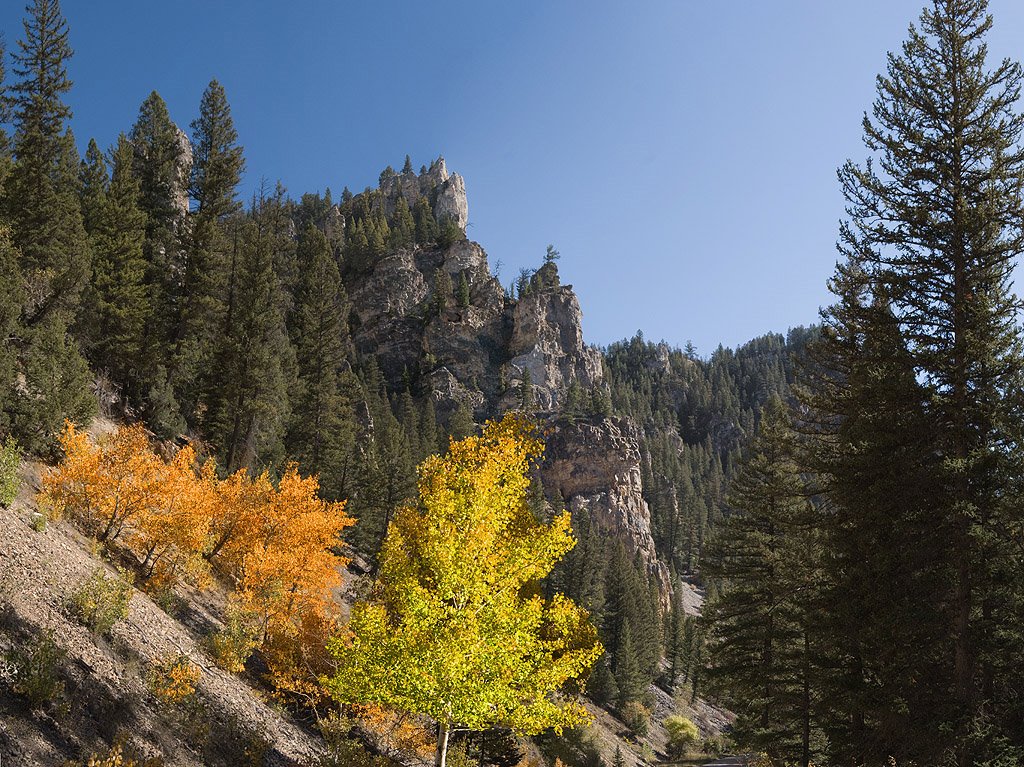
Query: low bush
[682, 736]
[100, 602]
[235, 643]
[173, 679]
[33, 670]
[10, 457]
[636, 717]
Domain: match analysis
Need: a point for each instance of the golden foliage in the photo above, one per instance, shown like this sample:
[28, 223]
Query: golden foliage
[397, 733]
[173, 678]
[457, 628]
[277, 543]
[114, 758]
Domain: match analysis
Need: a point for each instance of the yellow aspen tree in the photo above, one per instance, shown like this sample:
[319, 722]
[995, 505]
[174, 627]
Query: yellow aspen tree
[456, 627]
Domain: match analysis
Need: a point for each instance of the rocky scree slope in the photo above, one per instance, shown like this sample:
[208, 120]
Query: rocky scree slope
[102, 694]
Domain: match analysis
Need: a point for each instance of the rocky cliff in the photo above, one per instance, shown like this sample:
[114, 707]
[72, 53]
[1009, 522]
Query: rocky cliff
[594, 464]
[478, 352]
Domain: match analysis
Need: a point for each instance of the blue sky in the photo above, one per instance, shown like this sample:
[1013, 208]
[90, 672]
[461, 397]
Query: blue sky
[680, 154]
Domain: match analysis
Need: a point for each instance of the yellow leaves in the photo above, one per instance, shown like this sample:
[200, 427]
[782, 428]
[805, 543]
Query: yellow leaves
[455, 629]
[173, 678]
[105, 485]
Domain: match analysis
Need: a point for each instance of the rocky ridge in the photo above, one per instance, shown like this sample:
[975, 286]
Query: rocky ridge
[478, 354]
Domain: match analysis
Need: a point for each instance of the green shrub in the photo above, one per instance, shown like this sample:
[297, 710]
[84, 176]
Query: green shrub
[10, 457]
[33, 670]
[636, 717]
[101, 602]
[715, 745]
[233, 644]
[682, 736]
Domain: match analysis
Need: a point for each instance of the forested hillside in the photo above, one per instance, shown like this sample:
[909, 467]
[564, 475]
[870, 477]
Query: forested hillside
[347, 338]
[295, 478]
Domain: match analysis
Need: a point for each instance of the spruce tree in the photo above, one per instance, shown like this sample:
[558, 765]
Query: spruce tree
[870, 447]
[403, 231]
[323, 430]
[43, 206]
[936, 223]
[527, 401]
[461, 424]
[117, 299]
[216, 172]
[253, 362]
[426, 225]
[762, 623]
[10, 328]
[42, 198]
[159, 165]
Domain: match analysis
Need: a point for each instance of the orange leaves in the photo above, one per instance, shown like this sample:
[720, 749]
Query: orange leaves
[285, 563]
[277, 543]
[105, 485]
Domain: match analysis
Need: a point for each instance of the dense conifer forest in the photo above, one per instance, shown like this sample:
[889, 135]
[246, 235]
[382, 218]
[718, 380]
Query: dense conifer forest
[844, 499]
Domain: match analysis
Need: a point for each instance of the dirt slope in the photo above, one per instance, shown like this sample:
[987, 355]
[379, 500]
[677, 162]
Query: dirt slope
[105, 694]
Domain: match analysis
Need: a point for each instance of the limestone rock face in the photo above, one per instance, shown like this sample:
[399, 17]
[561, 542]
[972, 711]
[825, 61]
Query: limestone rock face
[547, 341]
[387, 311]
[459, 350]
[451, 203]
[595, 465]
[180, 190]
[446, 193]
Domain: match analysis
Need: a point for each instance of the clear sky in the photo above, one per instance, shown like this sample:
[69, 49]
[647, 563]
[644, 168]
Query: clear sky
[680, 154]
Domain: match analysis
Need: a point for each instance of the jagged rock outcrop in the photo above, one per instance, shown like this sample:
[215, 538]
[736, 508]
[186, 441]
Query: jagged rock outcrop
[595, 465]
[547, 342]
[180, 190]
[446, 193]
[473, 345]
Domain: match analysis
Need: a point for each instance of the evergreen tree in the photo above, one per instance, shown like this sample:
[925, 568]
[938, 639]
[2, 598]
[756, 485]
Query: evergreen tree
[118, 300]
[442, 291]
[158, 164]
[216, 171]
[461, 424]
[936, 225]
[870, 447]
[426, 226]
[43, 205]
[762, 623]
[403, 232]
[527, 401]
[618, 761]
[254, 361]
[323, 429]
[10, 329]
[462, 294]
[42, 195]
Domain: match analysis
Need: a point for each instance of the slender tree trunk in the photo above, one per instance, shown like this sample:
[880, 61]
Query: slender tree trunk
[441, 757]
[805, 755]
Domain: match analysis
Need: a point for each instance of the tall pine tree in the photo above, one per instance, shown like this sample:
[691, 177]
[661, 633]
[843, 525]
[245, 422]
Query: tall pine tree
[937, 223]
[216, 172]
[42, 200]
[323, 429]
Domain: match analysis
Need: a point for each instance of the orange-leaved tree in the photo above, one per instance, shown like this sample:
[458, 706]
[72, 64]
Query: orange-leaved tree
[456, 627]
[286, 566]
[104, 484]
[172, 533]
